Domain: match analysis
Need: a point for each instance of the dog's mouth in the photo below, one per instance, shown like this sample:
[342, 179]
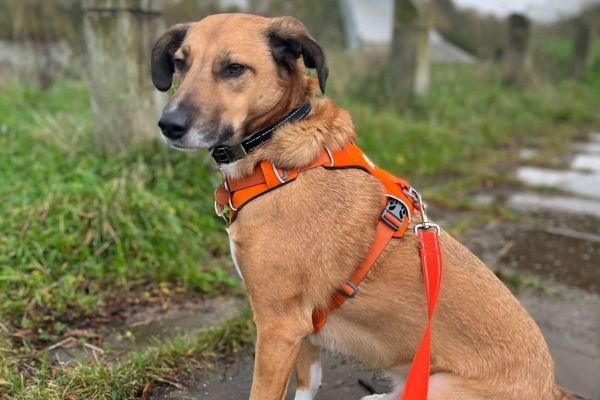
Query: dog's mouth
[179, 147]
[191, 141]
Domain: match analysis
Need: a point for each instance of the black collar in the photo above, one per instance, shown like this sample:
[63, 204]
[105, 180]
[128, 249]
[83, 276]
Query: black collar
[229, 154]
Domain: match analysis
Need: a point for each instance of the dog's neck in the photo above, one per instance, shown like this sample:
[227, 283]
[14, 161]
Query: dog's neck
[226, 154]
[295, 145]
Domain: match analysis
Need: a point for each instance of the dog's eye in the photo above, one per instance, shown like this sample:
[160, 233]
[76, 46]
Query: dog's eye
[233, 70]
[179, 64]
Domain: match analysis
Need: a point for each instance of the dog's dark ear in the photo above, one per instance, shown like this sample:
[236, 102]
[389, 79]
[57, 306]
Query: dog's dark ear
[161, 66]
[289, 39]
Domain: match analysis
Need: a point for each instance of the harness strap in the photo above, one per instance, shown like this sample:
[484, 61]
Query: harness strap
[350, 288]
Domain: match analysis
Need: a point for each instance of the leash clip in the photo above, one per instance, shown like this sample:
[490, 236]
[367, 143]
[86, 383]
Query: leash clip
[428, 225]
[425, 224]
[414, 196]
[418, 202]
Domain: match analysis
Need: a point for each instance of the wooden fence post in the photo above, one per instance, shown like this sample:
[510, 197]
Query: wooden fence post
[119, 36]
[517, 64]
[410, 49]
[583, 49]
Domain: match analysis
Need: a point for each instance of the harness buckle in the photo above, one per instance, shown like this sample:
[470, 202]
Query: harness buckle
[394, 213]
[349, 294]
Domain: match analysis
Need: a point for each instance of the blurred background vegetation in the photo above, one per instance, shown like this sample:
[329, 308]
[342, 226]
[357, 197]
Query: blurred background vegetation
[83, 231]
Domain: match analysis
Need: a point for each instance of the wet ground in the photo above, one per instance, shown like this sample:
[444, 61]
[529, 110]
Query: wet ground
[551, 258]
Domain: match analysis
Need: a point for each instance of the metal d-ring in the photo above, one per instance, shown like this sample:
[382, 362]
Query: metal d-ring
[329, 155]
[221, 212]
[231, 207]
[280, 178]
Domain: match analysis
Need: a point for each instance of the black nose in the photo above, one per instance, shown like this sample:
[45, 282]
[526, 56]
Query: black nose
[174, 123]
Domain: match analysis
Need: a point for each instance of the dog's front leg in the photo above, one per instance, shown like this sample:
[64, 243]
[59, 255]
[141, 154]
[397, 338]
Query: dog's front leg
[308, 371]
[277, 346]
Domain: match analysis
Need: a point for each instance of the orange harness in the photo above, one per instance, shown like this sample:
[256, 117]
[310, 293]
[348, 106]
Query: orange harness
[397, 208]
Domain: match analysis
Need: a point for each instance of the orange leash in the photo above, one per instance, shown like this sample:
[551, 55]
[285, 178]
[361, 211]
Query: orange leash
[417, 381]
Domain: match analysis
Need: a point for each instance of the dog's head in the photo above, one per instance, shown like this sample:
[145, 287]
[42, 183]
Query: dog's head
[236, 73]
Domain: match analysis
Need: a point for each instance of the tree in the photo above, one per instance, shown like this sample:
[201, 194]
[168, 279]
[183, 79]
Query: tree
[583, 45]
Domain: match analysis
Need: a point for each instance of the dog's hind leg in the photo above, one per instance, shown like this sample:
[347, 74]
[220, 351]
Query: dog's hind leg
[308, 371]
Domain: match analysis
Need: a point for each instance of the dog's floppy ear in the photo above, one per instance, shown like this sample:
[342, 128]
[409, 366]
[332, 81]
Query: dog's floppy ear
[161, 66]
[289, 39]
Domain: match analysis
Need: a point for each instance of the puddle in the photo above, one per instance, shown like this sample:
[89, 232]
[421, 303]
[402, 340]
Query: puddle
[528, 153]
[586, 162]
[564, 180]
[564, 241]
[552, 204]
[590, 148]
[582, 179]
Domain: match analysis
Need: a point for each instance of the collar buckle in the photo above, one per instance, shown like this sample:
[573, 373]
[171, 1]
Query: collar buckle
[228, 154]
[234, 153]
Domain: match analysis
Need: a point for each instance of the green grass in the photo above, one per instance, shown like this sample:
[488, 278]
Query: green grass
[469, 123]
[176, 360]
[75, 226]
[77, 229]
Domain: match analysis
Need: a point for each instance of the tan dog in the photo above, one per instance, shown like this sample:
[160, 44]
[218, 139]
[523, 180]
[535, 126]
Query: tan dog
[294, 245]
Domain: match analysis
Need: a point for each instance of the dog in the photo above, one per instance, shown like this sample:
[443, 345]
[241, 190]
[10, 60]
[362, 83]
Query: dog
[239, 73]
